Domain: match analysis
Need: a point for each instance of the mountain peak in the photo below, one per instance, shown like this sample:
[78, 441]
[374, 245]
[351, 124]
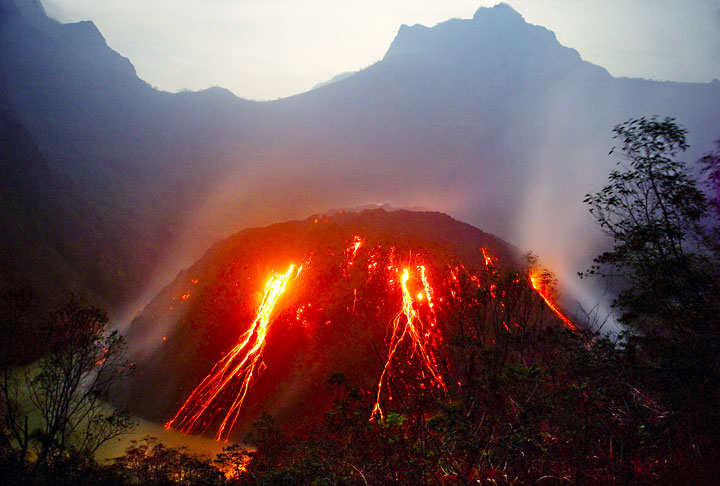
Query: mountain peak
[501, 11]
[495, 36]
[491, 30]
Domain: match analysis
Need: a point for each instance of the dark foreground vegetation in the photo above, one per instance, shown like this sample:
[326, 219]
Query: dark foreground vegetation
[538, 405]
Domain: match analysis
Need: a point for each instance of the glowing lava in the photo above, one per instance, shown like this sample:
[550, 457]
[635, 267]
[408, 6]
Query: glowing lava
[352, 251]
[428, 292]
[224, 390]
[488, 259]
[413, 328]
[537, 285]
[357, 243]
[234, 373]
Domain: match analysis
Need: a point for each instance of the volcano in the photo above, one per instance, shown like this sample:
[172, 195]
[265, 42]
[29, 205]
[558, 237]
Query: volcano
[264, 318]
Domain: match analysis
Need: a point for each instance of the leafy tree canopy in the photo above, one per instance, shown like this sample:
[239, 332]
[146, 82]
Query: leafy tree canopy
[654, 212]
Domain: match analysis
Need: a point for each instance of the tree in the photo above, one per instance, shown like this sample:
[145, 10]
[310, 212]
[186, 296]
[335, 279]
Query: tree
[53, 411]
[233, 461]
[150, 463]
[666, 252]
[711, 167]
[653, 210]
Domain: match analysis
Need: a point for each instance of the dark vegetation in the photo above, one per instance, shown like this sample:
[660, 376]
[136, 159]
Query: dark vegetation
[57, 371]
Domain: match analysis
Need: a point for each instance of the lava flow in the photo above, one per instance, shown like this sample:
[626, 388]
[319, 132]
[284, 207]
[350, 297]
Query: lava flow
[412, 328]
[238, 366]
[224, 390]
[536, 284]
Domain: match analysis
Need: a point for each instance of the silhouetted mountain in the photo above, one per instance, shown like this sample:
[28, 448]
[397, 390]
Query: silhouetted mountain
[334, 317]
[24, 179]
[489, 119]
[55, 240]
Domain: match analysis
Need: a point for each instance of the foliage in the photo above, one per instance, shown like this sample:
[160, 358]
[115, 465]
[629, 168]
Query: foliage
[653, 211]
[667, 252]
[149, 462]
[54, 417]
[711, 167]
[566, 413]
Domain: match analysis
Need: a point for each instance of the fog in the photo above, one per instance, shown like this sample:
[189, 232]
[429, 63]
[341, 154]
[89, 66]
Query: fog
[204, 446]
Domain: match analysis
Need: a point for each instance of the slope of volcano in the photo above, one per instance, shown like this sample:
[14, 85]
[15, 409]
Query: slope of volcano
[264, 318]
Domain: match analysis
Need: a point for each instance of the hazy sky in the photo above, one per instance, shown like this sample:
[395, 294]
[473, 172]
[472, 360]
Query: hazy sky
[265, 49]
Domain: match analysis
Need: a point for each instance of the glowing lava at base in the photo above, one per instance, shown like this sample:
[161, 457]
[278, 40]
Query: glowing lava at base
[536, 283]
[237, 367]
[412, 328]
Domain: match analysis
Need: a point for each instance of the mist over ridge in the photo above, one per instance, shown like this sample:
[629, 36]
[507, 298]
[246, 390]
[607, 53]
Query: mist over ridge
[489, 119]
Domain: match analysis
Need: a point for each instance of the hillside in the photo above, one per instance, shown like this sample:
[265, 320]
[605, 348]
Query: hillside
[343, 297]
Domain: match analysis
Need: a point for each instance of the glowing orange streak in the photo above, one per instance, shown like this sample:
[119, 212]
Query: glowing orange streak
[488, 258]
[351, 252]
[426, 287]
[357, 243]
[215, 383]
[391, 353]
[411, 317]
[546, 298]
